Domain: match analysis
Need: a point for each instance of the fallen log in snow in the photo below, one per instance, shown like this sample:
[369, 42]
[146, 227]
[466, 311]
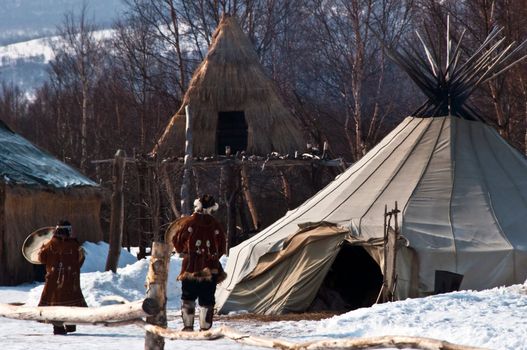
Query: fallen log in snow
[82, 315]
[384, 342]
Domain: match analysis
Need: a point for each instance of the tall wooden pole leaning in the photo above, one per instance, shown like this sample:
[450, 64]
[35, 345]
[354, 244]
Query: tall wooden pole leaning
[186, 207]
[117, 211]
[156, 288]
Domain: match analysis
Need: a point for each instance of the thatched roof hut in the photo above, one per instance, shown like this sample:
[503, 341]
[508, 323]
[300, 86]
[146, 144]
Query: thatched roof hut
[37, 190]
[232, 103]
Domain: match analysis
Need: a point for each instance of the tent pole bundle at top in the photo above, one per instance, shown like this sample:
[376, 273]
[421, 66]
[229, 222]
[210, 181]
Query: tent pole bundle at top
[449, 84]
[460, 186]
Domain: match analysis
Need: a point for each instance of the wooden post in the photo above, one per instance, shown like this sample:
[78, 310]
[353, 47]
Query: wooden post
[142, 171]
[230, 185]
[285, 188]
[186, 206]
[4, 275]
[155, 203]
[117, 211]
[156, 284]
[248, 197]
[390, 255]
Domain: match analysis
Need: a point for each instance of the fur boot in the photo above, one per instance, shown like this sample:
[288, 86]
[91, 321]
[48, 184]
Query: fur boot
[205, 317]
[188, 309]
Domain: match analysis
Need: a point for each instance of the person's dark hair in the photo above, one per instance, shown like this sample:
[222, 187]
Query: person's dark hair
[207, 201]
[63, 228]
[205, 204]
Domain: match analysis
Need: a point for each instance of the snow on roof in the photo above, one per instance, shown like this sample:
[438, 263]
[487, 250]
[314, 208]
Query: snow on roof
[23, 163]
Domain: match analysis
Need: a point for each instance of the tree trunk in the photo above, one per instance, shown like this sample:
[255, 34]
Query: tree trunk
[156, 284]
[84, 127]
[117, 212]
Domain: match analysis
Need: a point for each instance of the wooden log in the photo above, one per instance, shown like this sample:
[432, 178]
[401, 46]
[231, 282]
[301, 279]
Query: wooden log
[186, 206]
[117, 212]
[81, 315]
[156, 282]
[387, 342]
[382, 342]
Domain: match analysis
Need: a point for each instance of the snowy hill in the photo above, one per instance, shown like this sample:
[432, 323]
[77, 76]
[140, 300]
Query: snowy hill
[21, 20]
[28, 26]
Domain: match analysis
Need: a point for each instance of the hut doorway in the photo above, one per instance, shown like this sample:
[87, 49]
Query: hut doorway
[354, 280]
[231, 131]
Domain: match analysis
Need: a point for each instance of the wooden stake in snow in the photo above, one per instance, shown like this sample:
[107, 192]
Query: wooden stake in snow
[117, 211]
[156, 282]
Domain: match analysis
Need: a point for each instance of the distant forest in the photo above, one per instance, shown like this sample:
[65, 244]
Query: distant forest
[329, 66]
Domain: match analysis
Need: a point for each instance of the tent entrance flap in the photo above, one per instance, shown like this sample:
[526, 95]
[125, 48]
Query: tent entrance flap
[354, 280]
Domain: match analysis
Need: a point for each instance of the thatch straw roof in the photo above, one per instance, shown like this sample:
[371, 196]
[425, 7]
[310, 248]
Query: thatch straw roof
[231, 78]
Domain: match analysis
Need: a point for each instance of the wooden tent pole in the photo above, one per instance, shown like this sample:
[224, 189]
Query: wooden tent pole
[156, 284]
[186, 208]
[117, 211]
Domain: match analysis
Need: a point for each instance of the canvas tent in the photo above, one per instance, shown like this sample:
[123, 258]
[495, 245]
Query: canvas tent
[463, 193]
[37, 190]
[232, 103]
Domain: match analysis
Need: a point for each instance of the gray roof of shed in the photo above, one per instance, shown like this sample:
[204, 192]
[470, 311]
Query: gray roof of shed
[23, 163]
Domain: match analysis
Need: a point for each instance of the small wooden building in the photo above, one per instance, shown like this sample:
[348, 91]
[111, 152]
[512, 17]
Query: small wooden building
[233, 103]
[37, 190]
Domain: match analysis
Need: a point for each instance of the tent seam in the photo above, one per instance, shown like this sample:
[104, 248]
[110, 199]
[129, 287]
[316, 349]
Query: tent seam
[401, 165]
[290, 221]
[369, 176]
[425, 169]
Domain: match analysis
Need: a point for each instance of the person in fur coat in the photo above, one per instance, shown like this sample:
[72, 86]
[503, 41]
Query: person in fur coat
[201, 241]
[63, 257]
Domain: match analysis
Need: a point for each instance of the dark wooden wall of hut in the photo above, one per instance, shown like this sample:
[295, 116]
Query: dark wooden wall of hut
[25, 210]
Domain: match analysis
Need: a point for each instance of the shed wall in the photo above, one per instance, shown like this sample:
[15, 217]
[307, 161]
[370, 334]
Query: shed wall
[26, 210]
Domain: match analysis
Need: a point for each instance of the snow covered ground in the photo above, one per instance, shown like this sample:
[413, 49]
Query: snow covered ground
[494, 319]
